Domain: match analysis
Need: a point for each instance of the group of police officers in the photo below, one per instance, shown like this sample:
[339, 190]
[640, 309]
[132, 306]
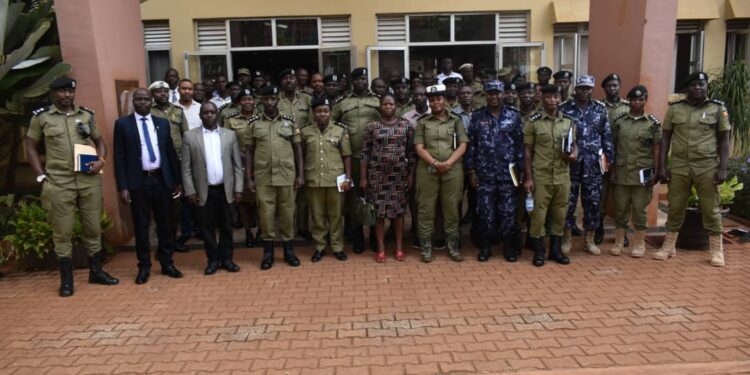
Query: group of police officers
[524, 150]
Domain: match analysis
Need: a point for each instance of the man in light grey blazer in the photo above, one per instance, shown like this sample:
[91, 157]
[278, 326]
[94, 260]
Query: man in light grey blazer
[213, 182]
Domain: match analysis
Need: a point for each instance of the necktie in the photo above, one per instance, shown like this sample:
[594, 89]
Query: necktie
[147, 137]
[174, 96]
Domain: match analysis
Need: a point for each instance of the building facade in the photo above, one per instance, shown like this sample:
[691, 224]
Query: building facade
[207, 38]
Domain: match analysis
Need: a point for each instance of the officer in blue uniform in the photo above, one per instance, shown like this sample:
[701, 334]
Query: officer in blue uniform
[495, 142]
[594, 139]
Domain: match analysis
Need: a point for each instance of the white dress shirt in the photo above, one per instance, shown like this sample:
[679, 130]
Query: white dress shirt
[212, 147]
[174, 96]
[219, 101]
[192, 114]
[145, 160]
[442, 76]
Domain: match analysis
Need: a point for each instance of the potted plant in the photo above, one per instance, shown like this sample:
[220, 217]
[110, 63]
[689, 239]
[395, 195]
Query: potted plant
[692, 235]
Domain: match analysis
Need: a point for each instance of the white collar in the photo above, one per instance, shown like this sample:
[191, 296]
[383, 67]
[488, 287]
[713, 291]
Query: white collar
[138, 117]
[206, 131]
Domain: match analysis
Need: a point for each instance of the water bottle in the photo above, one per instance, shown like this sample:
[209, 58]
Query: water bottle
[529, 202]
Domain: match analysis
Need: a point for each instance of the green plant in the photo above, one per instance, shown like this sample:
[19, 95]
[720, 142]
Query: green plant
[727, 192]
[732, 86]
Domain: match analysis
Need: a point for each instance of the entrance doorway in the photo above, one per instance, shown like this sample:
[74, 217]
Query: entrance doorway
[272, 63]
[428, 57]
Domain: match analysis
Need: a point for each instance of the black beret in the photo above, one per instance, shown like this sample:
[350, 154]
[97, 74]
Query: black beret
[526, 86]
[269, 90]
[257, 74]
[512, 87]
[611, 77]
[243, 93]
[400, 81]
[544, 69]
[63, 83]
[638, 91]
[563, 74]
[452, 81]
[551, 89]
[697, 76]
[317, 102]
[359, 72]
[285, 73]
[331, 78]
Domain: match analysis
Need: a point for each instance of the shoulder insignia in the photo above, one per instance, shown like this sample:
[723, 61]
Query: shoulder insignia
[339, 124]
[654, 120]
[512, 108]
[599, 103]
[289, 118]
[535, 116]
[567, 116]
[39, 111]
[719, 102]
[625, 101]
[224, 106]
[235, 114]
[253, 119]
[89, 110]
[306, 92]
[677, 102]
[620, 115]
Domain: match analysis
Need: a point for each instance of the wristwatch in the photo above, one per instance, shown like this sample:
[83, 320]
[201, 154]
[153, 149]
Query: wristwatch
[41, 178]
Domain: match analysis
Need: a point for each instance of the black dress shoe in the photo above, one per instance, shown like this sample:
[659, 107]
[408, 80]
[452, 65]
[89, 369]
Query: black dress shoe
[180, 248]
[317, 256]
[340, 256]
[183, 239]
[171, 271]
[211, 268]
[266, 264]
[103, 278]
[292, 260]
[483, 256]
[511, 258]
[229, 266]
[143, 274]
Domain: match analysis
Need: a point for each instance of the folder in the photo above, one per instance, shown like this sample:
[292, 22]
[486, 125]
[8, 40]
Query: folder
[82, 155]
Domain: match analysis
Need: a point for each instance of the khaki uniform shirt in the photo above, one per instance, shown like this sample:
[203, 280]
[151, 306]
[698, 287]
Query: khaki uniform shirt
[177, 123]
[356, 112]
[227, 110]
[546, 135]
[323, 152]
[274, 140]
[695, 135]
[616, 109]
[634, 138]
[298, 107]
[60, 131]
[440, 138]
[240, 125]
[401, 109]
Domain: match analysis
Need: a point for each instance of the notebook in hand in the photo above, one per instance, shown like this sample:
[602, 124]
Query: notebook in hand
[82, 155]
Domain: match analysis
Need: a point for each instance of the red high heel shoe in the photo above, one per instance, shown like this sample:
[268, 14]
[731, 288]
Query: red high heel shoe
[400, 256]
[380, 257]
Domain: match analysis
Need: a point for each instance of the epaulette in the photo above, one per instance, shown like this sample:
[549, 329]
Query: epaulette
[568, 116]
[235, 114]
[224, 106]
[425, 115]
[511, 107]
[625, 101]
[677, 102]
[535, 116]
[599, 103]
[620, 115]
[341, 124]
[89, 110]
[719, 102]
[253, 119]
[39, 111]
[654, 120]
[290, 118]
[306, 92]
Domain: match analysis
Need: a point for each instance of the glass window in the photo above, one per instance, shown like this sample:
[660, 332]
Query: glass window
[523, 59]
[213, 66]
[736, 47]
[565, 52]
[583, 56]
[297, 32]
[429, 28]
[158, 63]
[475, 27]
[337, 62]
[250, 33]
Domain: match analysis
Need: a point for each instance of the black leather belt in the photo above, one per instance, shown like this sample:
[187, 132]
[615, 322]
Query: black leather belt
[221, 186]
[152, 172]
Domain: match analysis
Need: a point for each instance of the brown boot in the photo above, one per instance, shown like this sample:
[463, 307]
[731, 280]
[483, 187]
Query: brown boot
[619, 242]
[589, 245]
[667, 249]
[566, 245]
[640, 245]
[715, 243]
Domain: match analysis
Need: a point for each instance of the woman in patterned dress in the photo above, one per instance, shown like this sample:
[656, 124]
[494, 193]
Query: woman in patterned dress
[387, 171]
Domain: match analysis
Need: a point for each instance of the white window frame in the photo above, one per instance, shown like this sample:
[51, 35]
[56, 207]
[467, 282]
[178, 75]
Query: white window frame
[500, 47]
[217, 52]
[161, 47]
[452, 40]
[370, 49]
[697, 43]
[580, 33]
[352, 55]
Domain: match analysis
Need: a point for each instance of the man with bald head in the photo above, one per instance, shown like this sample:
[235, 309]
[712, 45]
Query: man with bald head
[147, 172]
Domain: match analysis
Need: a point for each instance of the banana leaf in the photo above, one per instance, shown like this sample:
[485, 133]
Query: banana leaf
[13, 16]
[38, 88]
[16, 75]
[26, 49]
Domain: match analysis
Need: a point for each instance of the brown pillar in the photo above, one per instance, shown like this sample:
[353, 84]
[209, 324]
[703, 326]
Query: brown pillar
[635, 38]
[102, 40]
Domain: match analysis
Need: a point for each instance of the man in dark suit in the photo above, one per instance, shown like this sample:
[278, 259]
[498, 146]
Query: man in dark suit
[213, 178]
[148, 178]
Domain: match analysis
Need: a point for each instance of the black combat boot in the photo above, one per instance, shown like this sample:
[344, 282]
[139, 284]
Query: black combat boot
[512, 247]
[485, 250]
[97, 274]
[66, 276]
[555, 250]
[539, 251]
[289, 256]
[358, 240]
[268, 256]
[249, 240]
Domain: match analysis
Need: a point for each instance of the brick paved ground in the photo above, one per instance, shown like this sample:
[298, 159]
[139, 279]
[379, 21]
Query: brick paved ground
[605, 314]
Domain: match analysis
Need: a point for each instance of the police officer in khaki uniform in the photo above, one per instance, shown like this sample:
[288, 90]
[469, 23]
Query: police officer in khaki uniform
[697, 131]
[295, 103]
[61, 126]
[239, 123]
[440, 142]
[273, 165]
[547, 174]
[467, 71]
[228, 109]
[400, 89]
[637, 140]
[327, 156]
[355, 111]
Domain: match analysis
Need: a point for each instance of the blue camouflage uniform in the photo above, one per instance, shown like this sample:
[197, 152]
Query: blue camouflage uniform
[494, 143]
[592, 135]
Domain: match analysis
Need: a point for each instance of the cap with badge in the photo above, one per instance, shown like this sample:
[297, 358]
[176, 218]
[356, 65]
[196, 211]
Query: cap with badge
[639, 91]
[464, 67]
[585, 80]
[544, 69]
[435, 90]
[452, 81]
[243, 93]
[158, 85]
[257, 74]
[526, 86]
[611, 77]
[563, 74]
[551, 89]
[359, 72]
[494, 85]
[697, 76]
[400, 81]
[504, 71]
[317, 102]
[63, 83]
[331, 78]
[286, 72]
[512, 87]
[269, 90]
[244, 71]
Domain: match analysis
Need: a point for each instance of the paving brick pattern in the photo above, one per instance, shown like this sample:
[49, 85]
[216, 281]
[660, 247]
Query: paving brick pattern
[603, 314]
